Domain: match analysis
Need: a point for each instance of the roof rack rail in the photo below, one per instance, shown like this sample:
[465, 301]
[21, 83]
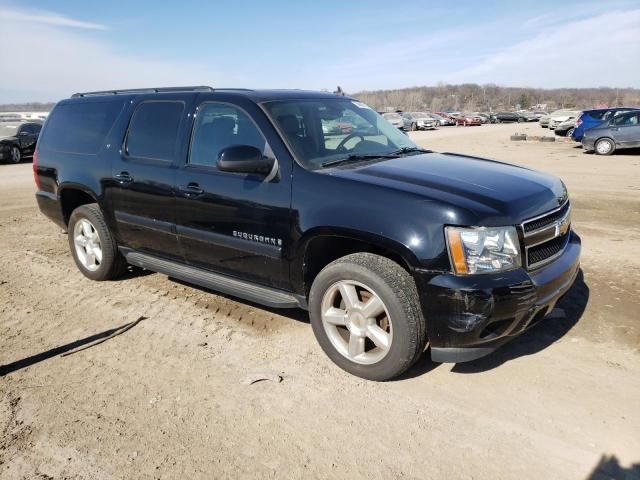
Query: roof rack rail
[202, 88]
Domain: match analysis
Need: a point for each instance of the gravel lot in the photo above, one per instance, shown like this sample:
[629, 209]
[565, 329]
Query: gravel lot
[166, 398]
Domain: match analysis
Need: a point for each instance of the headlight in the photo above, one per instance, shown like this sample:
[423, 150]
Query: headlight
[483, 250]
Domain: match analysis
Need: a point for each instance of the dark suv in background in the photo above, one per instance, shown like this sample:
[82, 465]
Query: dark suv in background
[390, 247]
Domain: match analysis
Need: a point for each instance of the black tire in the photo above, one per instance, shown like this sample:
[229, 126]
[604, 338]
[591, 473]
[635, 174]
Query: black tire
[600, 142]
[570, 132]
[520, 120]
[113, 264]
[15, 155]
[397, 290]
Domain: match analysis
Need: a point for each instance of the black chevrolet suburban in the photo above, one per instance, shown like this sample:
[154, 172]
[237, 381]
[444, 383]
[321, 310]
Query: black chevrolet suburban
[391, 248]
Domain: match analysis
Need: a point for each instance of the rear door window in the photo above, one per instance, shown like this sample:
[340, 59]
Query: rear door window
[153, 130]
[80, 127]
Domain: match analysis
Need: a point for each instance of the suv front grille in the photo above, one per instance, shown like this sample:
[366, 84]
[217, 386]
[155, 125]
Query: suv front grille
[538, 223]
[546, 237]
[546, 250]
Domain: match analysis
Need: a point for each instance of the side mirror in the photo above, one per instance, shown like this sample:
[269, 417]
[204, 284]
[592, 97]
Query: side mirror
[244, 159]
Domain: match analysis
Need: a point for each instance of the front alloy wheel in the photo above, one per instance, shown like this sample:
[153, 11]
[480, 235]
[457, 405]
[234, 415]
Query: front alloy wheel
[16, 155]
[356, 322]
[366, 316]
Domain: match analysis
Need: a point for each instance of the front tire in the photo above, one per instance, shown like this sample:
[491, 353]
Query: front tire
[16, 154]
[605, 146]
[92, 246]
[366, 316]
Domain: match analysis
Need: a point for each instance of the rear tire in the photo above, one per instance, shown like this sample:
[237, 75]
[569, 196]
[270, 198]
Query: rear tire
[605, 146]
[92, 246]
[570, 132]
[376, 343]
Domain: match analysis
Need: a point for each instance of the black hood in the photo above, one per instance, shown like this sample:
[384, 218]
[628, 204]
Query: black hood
[492, 192]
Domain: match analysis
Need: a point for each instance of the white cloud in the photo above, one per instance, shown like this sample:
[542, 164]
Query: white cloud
[600, 51]
[46, 18]
[49, 61]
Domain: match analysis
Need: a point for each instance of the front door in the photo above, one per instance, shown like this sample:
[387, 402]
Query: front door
[628, 129]
[233, 223]
[143, 175]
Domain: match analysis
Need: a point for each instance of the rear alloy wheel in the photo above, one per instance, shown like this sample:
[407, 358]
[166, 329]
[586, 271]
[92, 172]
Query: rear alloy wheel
[92, 246]
[605, 146]
[366, 316]
[570, 132]
[16, 155]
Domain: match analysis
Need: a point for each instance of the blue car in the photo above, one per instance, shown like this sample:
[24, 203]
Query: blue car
[593, 118]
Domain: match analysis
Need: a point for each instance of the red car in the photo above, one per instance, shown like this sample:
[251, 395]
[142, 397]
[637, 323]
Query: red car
[468, 120]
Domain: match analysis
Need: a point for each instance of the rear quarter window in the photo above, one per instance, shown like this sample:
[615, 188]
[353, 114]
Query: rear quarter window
[79, 127]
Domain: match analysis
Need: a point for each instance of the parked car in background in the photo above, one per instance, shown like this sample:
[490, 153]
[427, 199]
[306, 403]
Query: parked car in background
[468, 120]
[483, 117]
[593, 118]
[442, 121]
[540, 114]
[452, 119]
[528, 116]
[565, 129]
[509, 117]
[560, 116]
[420, 121]
[398, 120]
[621, 131]
[544, 121]
[18, 140]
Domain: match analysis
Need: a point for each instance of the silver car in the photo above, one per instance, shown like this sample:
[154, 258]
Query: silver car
[398, 120]
[420, 121]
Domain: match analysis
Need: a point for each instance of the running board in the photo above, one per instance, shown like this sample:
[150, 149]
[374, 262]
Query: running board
[215, 281]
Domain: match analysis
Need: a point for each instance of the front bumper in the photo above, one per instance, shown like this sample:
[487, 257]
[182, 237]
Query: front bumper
[469, 317]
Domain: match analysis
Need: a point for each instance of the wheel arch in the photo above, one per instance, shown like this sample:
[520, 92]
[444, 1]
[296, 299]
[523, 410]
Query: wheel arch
[74, 195]
[322, 245]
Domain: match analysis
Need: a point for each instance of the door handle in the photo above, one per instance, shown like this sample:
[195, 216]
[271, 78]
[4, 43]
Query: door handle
[191, 190]
[123, 177]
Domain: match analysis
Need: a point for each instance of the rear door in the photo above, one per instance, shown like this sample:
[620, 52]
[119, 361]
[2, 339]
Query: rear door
[234, 223]
[144, 172]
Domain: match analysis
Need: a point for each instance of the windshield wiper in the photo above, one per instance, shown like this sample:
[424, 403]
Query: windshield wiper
[404, 150]
[355, 157]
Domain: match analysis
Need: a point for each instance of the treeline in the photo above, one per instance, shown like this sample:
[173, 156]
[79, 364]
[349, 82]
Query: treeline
[27, 107]
[472, 98]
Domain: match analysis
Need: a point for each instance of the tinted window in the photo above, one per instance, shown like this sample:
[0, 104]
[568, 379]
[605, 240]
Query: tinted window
[26, 128]
[79, 127]
[36, 127]
[154, 129]
[219, 126]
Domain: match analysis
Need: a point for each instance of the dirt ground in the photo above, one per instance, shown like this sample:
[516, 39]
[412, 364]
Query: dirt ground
[166, 398]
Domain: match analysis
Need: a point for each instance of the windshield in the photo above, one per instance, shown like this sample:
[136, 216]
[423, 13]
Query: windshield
[8, 129]
[391, 116]
[325, 130]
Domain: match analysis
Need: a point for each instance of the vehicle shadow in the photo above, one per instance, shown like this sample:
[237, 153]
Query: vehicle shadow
[609, 468]
[538, 337]
[68, 349]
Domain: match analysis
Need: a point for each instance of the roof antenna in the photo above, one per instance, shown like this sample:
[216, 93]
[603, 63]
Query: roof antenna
[339, 91]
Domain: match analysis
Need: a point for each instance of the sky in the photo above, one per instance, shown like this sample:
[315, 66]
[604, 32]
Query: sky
[49, 50]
